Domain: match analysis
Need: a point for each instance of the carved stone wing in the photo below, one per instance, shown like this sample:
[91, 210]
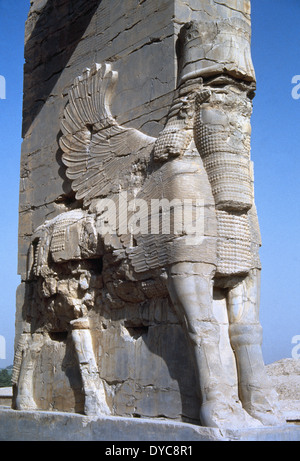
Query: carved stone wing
[97, 152]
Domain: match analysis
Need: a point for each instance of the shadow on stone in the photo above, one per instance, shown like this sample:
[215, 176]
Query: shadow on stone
[50, 57]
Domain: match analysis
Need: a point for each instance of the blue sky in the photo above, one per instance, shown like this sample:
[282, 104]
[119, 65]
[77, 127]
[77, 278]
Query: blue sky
[275, 152]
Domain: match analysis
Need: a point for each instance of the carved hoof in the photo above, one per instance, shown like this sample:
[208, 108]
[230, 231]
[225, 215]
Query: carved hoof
[262, 405]
[25, 403]
[96, 410]
[222, 415]
[95, 405]
[269, 417]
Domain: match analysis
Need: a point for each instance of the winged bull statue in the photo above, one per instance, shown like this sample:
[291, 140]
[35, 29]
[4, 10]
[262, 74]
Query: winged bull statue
[202, 156]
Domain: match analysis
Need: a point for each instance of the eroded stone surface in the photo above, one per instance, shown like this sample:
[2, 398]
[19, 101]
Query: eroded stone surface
[56, 426]
[285, 377]
[120, 318]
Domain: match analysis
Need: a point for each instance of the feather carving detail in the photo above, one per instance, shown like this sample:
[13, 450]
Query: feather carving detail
[95, 147]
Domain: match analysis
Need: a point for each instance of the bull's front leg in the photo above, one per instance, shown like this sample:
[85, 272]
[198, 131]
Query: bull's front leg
[255, 390]
[191, 290]
[94, 393]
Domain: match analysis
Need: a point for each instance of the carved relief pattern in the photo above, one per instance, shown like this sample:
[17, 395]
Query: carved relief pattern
[203, 155]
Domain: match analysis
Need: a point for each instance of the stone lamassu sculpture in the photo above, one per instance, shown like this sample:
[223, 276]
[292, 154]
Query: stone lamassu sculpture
[201, 158]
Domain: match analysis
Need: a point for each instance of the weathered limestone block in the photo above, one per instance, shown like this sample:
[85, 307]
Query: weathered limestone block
[61, 40]
[57, 426]
[121, 311]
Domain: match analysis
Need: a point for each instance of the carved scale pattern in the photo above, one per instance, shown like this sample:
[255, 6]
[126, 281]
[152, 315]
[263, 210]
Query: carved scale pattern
[228, 170]
[234, 244]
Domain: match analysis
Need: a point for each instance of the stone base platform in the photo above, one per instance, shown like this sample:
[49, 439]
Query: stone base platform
[57, 426]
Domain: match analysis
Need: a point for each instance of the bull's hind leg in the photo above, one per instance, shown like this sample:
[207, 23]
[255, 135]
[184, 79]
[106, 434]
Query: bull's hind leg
[94, 393]
[255, 390]
[191, 290]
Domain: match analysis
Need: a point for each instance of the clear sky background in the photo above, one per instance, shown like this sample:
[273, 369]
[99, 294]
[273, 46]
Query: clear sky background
[275, 152]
